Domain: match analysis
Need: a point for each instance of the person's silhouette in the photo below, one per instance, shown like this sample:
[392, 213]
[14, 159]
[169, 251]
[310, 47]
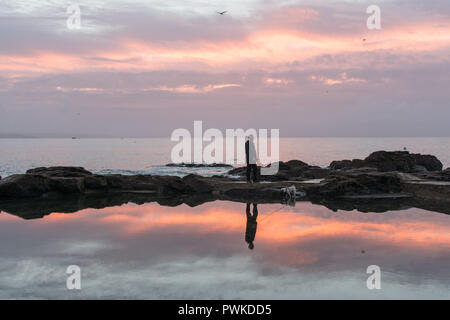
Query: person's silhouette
[250, 230]
[251, 159]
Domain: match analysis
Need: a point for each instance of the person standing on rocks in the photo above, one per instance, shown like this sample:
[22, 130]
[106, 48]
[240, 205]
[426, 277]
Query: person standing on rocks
[251, 159]
[250, 230]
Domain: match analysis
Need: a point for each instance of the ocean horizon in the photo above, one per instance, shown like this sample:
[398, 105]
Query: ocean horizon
[150, 155]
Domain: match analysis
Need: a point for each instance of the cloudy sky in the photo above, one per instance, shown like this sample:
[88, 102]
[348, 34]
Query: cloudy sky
[144, 68]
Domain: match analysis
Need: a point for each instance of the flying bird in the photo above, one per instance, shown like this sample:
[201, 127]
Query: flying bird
[222, 13]
[364, 40]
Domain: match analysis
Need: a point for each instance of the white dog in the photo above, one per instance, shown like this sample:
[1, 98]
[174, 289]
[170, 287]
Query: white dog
[290, 192]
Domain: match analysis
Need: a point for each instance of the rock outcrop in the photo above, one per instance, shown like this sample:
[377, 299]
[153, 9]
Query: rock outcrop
[198, 184]
[33, 185]
[385, 161]
[53, 182]
[351, 184]
[382, 174]
[290, 170]
[75, 180]
[65, 172]
[65, 189]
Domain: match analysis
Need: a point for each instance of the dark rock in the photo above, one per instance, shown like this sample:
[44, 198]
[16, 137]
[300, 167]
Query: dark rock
[340, 185]
[315, 173]
[418, 168]
[34, 185]
[60, 172]
[137, 182]
[291, 170]
[402, 161]
[434, 191]
[346, 164]
[385, 161]
[95, 182]
[197, 183]
[240, 171]
[250, 194]
[292, 164]
[141, 182]
[118, 181]
[67, 185]
[435, 175]
[169, 184]
[21, 186]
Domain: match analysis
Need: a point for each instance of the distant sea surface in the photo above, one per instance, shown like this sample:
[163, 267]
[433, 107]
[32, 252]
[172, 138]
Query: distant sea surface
[149, 155]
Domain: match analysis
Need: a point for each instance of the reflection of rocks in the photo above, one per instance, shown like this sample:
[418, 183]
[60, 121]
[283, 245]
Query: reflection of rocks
[34, 208]
[366, 205]
[384, 161]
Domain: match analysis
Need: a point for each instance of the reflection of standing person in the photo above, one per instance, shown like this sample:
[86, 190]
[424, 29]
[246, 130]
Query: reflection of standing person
[250, 230]
[250, 158]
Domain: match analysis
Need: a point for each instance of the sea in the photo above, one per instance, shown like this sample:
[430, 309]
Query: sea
[150, 155]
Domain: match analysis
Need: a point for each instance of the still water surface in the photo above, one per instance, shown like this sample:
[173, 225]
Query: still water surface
[155, 252]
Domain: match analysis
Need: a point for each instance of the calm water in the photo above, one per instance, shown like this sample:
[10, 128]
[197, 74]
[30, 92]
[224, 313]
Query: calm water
[156, 252]
[129, 156]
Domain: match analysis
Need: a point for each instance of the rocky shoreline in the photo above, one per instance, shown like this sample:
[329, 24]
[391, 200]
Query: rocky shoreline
[382, 180]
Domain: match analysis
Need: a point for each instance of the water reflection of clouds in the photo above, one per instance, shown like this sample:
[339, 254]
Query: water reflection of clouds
[151, 251]
[192, 277]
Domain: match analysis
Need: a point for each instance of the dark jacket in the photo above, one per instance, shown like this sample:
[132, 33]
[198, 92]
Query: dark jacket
[250, 152]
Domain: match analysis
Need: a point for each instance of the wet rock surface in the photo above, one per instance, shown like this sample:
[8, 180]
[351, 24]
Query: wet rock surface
[357, 183]
[435, 175]
[385, 161]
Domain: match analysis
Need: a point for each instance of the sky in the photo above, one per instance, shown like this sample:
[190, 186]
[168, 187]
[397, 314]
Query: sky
[140, 68]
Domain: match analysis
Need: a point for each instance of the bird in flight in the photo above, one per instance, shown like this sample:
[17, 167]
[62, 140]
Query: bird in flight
[222, 13]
